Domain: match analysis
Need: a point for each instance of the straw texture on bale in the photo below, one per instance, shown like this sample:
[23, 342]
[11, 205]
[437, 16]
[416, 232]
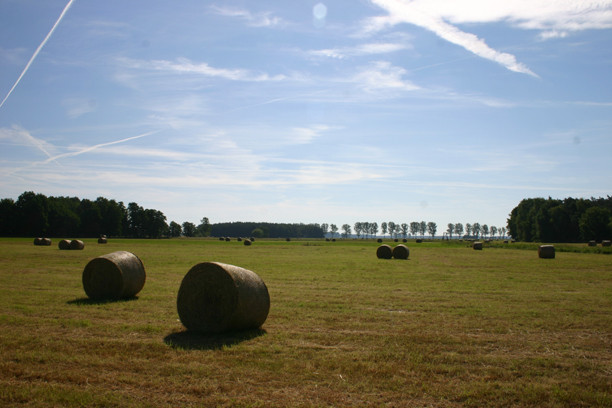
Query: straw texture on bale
[384, 252]
[401, 251]
[546, 251]
[64, 244]
[477, 245]
[77, 244]
[216, 297]
[116, 275]
[606, 243]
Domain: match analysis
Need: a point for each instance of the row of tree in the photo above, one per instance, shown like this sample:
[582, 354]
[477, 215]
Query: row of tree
[38, 215]
[414, 229]
[567, 220]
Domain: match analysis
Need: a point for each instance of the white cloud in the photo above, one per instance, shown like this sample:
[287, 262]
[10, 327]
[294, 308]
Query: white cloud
[381, 75]
[434, 17]
[262, 19]
[360, 50]
[304, 135]
[185, 66]
[19, 135]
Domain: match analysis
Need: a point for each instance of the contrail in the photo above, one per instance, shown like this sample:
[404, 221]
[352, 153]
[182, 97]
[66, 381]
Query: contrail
[90, 148]
[42, 44]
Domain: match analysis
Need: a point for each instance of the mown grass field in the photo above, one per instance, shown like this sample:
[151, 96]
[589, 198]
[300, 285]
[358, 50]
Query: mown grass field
[450, 327]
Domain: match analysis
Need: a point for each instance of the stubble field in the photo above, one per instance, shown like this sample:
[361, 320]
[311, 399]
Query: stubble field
[449, 327]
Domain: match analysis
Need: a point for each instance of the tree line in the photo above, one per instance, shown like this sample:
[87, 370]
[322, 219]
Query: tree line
[567, 220]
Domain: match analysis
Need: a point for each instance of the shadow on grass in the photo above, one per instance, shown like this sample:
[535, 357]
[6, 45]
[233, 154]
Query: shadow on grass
[87, 301]
[200, 341]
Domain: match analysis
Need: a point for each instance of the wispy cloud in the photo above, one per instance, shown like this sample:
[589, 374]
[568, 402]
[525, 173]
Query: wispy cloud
[359, 50]
[42, 44]
[304, 135]
[18, 135]
[186, 66]
[261, 19]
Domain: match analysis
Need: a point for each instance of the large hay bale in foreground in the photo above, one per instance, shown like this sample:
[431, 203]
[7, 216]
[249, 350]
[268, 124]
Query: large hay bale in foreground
[216, 297]
[64, 244]
[116, 275]
[401, 251]
[606, 243]
[546, 251]
[77, 244]
[384, 252]
[477, 245]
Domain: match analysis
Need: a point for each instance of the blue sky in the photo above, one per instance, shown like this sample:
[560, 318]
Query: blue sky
[308, 111]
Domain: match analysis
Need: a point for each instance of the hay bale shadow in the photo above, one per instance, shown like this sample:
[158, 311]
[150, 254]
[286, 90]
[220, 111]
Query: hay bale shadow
[85, 301]
[190, 340]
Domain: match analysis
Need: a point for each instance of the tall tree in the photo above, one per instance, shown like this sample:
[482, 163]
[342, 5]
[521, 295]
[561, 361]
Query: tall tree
[595, 224]
[459, 229]
[485, 230]
[189, 229]
[493, 231]
[414, 228]
[468, 229]
[476, 229]
[33, 214]
[374, 228]
[423, 228]
[333, 228]
[450, 229]
[404, 229]
[175, 229]
[204, 228]
[432, 228]
[346, 230]
[391, 226]
[383, 227]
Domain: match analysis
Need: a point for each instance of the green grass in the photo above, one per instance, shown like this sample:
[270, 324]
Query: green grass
[449, 327]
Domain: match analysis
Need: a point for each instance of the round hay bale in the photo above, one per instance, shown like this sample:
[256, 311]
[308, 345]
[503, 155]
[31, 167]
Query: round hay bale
[592, 243]
[77, 244]
[288, 239]
[384, 252]
[333, 239]
[247, 242]
[221, 239]
[401, 251]
[64, 244]
[227, 239]
[116, 275]
[239, 239]
[606, 243]
[327, 239]
[216, 297]
[38, 241]
[46, 242]
[252, 239]
[477, 245]
[102, 240]
[379, 240]
[404, 240]
[419, 241]
[546, 251]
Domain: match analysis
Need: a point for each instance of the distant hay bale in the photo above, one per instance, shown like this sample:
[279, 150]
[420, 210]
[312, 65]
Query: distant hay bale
[327, 239]
[606, 243]
[592, 243]
[252, 239]
[116, 275]
[221, 239]
[418, 241]
[395, 240]
[247, 242]
[379, 240]
[77, 244]
[102, 240]
[216, 297]
[333, 239]
[384, 252]
[546, 251]
[239, 239]
[506, 241]
[477, 245]
[227, 239]
[401, 251]
[404, 240]
[288, 239]
[64, 244]
[42, 241]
